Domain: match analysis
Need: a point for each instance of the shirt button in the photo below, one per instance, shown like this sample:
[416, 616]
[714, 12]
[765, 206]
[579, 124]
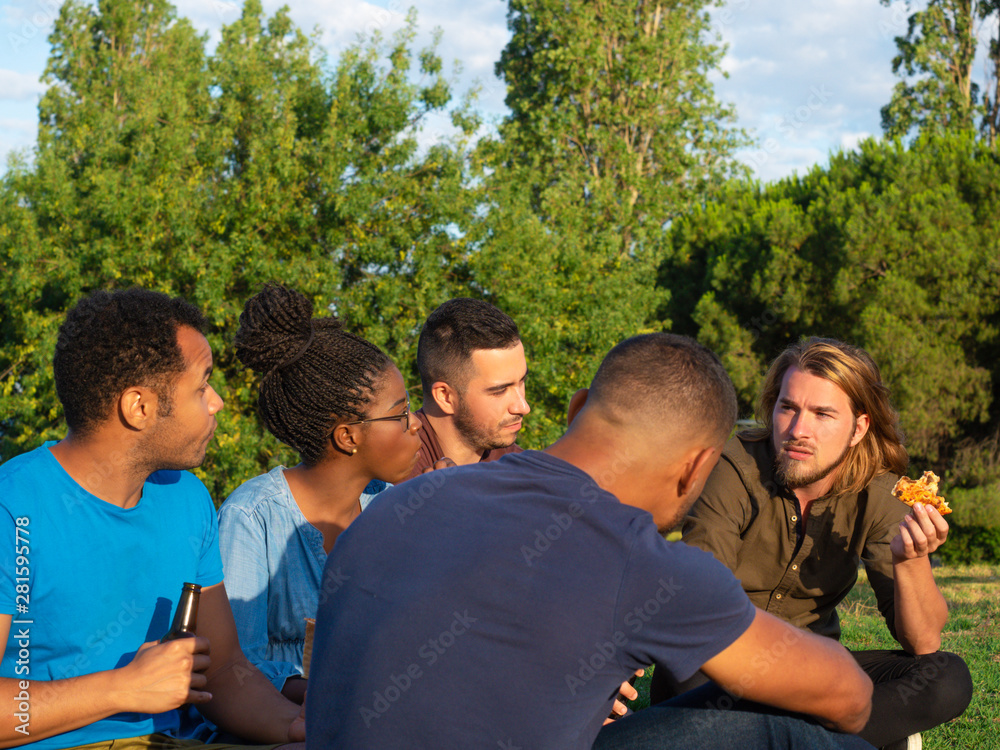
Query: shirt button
[777, 596]
[795, 567]
[795, 518]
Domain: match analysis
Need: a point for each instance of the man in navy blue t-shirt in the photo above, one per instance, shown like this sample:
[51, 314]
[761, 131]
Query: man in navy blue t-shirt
[503, 604]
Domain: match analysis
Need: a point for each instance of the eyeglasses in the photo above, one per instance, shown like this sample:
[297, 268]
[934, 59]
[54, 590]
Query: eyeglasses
[404, 418]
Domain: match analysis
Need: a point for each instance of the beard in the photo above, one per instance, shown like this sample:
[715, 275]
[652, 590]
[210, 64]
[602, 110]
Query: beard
[476, 435]
[794, 474]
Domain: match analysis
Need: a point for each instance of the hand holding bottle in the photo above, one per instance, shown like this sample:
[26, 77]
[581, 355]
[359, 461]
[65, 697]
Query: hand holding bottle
[164, 676]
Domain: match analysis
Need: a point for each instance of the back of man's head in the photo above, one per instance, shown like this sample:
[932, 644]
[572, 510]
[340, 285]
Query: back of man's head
[665, 384]
[111, 341]
[853, 370]
[455, 330]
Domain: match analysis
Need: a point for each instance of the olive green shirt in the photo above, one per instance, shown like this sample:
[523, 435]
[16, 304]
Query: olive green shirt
[750, 522]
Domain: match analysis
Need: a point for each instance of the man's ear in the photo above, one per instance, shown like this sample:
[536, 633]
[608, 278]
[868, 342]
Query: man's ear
[575, 404]
[861, 425]
[695, 472]
[445, 397]
[137, 407]
[346, 438]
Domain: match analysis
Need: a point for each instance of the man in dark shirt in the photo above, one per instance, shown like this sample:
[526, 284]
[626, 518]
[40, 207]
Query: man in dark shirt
[472, 370]
[793, 507]
[503, 604]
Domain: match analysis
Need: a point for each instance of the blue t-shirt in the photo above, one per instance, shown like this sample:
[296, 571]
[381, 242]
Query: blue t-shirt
[503, 604]
[101, 581]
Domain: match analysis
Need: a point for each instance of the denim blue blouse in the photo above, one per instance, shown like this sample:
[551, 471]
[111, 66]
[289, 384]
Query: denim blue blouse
[273, 560]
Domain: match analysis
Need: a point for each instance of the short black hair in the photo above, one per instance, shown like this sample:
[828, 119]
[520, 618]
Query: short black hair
[111, 341]
[668, 378]
[452, 332]
[315, 373]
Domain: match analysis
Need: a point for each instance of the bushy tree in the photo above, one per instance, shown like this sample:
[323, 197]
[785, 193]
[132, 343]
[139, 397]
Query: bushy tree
[614, 131]
[935, 61]
[205, 176]
[890, 248]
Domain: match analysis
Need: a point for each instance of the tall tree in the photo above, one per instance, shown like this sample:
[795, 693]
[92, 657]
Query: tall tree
[891, 248]
[614, 130]
[205, 176]
[936, 62]
[113, 191]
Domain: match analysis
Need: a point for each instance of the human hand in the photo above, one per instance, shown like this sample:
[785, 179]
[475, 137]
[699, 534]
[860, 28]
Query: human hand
[920, 534]
[297, 729]
[441, 463]
[164, 676]
[627, 690]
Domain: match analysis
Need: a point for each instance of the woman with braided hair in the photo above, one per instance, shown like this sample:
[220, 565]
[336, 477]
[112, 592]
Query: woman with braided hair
[341, 403]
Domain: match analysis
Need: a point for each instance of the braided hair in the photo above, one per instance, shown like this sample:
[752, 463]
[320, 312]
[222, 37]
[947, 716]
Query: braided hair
[315, 373]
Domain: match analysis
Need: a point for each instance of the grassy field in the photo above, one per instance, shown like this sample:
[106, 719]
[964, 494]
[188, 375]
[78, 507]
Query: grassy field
[973, 632]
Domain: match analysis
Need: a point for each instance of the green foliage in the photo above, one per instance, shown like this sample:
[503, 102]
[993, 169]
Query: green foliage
[967, 545]
[890, 248]
[614, 131]
[973, 596]
[205, 176]
[936, 57]
[600, 209]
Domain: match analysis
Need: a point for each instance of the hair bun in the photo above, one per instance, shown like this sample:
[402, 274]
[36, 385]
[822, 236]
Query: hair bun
[276, 327]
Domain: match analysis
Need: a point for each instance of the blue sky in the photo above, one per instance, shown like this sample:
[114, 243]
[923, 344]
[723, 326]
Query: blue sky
[806, 77]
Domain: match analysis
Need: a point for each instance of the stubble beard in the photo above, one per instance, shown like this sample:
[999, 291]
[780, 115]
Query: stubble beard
[476, 436]
[793, 475]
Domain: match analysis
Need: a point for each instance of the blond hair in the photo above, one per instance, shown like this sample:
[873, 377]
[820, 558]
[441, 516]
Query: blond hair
[852, 370]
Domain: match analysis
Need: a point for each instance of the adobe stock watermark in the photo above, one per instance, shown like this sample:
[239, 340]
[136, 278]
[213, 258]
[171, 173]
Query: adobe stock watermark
[725, 17]
[788, 125]
[428, 654]
[543, 538]
[922, 678]
[384, 17]
[761, 663]
[635, 620]
[95, 645]
[421, 489]
[897, 22]
[36, 23]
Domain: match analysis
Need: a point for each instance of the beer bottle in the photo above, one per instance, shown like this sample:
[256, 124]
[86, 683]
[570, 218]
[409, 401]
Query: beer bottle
[186, 616]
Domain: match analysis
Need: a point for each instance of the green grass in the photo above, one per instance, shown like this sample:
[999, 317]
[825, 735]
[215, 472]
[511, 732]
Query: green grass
[973, 594]
[973, 632]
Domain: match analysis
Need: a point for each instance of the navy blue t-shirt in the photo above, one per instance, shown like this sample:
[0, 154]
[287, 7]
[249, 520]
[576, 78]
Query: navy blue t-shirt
[502, 605]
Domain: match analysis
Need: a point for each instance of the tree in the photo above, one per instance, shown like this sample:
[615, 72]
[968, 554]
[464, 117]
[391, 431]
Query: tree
[614, 131]
[890, 248]
[940, 49]
[205, 176]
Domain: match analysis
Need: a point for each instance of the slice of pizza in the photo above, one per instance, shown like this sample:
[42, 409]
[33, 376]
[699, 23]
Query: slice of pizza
[923, 490]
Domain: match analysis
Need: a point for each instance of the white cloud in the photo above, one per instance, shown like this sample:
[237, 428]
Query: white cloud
[850, 141]
[19, 87]
[15, 135]
[781, 53]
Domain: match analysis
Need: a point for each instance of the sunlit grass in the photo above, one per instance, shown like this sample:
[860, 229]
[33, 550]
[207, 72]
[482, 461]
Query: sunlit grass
[973, 595]
[972, 632]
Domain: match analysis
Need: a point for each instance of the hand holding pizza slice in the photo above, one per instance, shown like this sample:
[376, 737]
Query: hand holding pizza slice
[923, 490]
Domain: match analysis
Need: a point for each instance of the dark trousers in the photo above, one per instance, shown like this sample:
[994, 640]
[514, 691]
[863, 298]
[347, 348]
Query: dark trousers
[912, 693]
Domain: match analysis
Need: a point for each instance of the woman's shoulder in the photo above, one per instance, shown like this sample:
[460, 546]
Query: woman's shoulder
[262, 490]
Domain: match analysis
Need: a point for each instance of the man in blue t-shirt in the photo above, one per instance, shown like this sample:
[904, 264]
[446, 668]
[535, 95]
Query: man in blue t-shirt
[503, 604]
[104, 527]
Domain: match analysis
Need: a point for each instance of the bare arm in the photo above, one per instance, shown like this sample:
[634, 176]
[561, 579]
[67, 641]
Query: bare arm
[244, 701]
[780, 665]
[920, 610]
[160, 678]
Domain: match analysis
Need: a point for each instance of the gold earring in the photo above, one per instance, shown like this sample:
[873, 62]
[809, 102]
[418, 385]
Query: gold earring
[353, 451]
